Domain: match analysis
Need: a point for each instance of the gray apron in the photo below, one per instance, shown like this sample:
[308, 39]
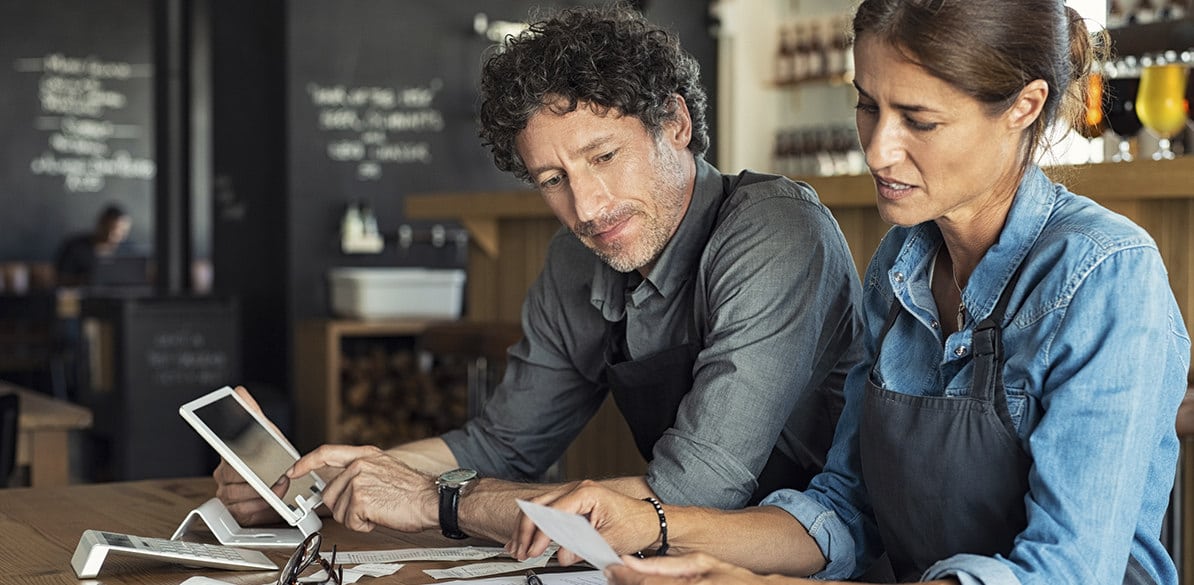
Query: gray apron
[648, 390]
[947, 475]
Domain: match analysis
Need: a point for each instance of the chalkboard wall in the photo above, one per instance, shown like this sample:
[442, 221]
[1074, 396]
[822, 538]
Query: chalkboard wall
[76, 120]
[381, 102]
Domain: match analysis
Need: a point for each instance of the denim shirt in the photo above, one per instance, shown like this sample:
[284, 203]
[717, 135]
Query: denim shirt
[1097, 357]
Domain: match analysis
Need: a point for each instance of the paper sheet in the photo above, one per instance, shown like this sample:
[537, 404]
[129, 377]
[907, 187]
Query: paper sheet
[573, 532]
[406, 555]
[486, 569]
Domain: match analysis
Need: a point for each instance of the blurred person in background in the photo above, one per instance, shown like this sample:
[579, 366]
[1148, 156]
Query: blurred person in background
[78, 255]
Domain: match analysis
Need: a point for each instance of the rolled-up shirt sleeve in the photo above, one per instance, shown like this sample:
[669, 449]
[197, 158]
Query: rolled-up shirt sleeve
[545, 397]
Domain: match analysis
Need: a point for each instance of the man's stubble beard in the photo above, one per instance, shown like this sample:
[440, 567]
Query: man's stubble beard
[667, 187]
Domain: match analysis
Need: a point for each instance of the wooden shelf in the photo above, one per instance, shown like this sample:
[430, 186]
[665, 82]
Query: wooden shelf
[1154, 37]
[479, 204]
[318, 362]
[1169, 179]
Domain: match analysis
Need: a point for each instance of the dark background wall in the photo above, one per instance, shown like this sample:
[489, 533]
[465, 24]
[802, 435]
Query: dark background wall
[76, 120]
[321, 83]
[271, 180]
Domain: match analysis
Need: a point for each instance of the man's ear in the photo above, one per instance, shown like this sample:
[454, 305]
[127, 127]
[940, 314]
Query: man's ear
[1028, 105]
[678, 130]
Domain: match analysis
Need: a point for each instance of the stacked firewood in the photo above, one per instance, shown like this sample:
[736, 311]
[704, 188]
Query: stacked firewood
[392, 396]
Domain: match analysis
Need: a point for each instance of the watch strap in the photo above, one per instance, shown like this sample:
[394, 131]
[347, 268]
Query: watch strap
[449, 502]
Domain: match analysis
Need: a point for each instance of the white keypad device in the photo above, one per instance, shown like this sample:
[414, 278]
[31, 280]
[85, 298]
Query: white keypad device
[96, 545]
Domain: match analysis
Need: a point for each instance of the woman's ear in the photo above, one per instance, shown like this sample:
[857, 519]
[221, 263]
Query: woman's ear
[1028, 105]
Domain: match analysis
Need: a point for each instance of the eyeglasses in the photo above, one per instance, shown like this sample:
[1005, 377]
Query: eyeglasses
[303, 557]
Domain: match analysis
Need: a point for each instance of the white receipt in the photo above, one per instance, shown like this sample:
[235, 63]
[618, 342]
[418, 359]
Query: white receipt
[351, 575]
[486, 569]
[406, 555]
[573, 532]
[570, 578]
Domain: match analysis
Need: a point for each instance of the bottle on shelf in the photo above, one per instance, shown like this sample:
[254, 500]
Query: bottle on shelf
[1173, 10]
[1115, 15]
[1143, 13]
[837, 47]
[800, 57]
[785, 56]
[815, 58]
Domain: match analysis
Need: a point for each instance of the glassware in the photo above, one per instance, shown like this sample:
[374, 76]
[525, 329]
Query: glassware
[1188, 61]
[1161, 104]
[1120, 87]
[1094, 121]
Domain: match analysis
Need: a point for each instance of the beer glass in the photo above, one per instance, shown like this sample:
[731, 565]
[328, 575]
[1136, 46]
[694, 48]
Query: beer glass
[1122, 82]
[1094, 120]
[1160, 103]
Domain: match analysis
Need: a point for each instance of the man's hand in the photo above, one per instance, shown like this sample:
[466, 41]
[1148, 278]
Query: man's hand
[374, 488]
[627, 524]
[242, 501]
[694, 569]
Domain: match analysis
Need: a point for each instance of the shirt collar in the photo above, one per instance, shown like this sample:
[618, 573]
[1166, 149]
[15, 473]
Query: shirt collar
[1031, 208]
[679, 257]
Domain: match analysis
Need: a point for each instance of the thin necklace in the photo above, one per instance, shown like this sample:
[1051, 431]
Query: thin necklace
[953, 276]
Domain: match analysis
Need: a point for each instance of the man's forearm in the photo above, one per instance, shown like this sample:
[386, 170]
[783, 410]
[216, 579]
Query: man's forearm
[431, 456]
[490, 511]
[634, 486]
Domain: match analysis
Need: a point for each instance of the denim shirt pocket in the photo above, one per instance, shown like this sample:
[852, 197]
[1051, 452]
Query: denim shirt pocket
[1024, 409]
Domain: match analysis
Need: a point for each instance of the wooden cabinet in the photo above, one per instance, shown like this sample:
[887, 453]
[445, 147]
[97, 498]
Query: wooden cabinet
[318, 363]
[393, 381]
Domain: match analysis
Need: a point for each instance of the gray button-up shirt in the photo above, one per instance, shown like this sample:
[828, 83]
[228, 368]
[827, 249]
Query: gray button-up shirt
[762, 275]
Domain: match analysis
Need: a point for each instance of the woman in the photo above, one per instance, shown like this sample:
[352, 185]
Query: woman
[1014, 422]
[78, 256]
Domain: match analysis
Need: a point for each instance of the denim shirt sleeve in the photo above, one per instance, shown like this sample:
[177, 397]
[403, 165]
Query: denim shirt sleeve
[1104, 451]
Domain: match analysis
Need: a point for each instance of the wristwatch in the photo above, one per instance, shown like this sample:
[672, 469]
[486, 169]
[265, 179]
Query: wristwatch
[452, 485]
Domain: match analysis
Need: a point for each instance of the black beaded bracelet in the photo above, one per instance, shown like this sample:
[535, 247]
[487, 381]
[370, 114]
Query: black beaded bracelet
[662, 550]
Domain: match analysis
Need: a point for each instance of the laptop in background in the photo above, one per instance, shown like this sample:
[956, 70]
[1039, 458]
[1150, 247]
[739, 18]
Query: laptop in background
[120, 271]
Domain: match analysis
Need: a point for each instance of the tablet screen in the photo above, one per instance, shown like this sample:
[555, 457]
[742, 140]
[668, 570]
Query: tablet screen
[257, 448]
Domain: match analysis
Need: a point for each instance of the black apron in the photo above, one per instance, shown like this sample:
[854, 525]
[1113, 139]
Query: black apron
[648, 391]
[947, 475]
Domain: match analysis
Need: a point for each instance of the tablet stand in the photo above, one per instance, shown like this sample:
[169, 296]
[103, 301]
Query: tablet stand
[229, 532]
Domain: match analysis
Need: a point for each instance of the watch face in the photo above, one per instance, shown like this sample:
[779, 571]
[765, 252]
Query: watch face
[457, 476]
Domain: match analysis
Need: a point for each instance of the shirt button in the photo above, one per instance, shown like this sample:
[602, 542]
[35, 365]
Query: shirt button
[899, 277]
[934, 324]
[960, 350]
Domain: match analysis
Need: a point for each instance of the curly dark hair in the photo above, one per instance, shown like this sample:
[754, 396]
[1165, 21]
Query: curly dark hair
[610, 57]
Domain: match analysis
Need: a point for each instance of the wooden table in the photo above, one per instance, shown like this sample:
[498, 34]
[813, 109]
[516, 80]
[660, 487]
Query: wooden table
[44, 440]
[40, 528]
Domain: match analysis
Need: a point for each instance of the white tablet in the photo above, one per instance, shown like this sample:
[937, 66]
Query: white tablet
[257, 451]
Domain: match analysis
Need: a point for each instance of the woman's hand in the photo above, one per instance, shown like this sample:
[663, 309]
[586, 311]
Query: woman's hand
[693, 569]
[627, 524]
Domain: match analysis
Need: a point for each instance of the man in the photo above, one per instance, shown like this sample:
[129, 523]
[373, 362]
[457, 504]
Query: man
[718, 310]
